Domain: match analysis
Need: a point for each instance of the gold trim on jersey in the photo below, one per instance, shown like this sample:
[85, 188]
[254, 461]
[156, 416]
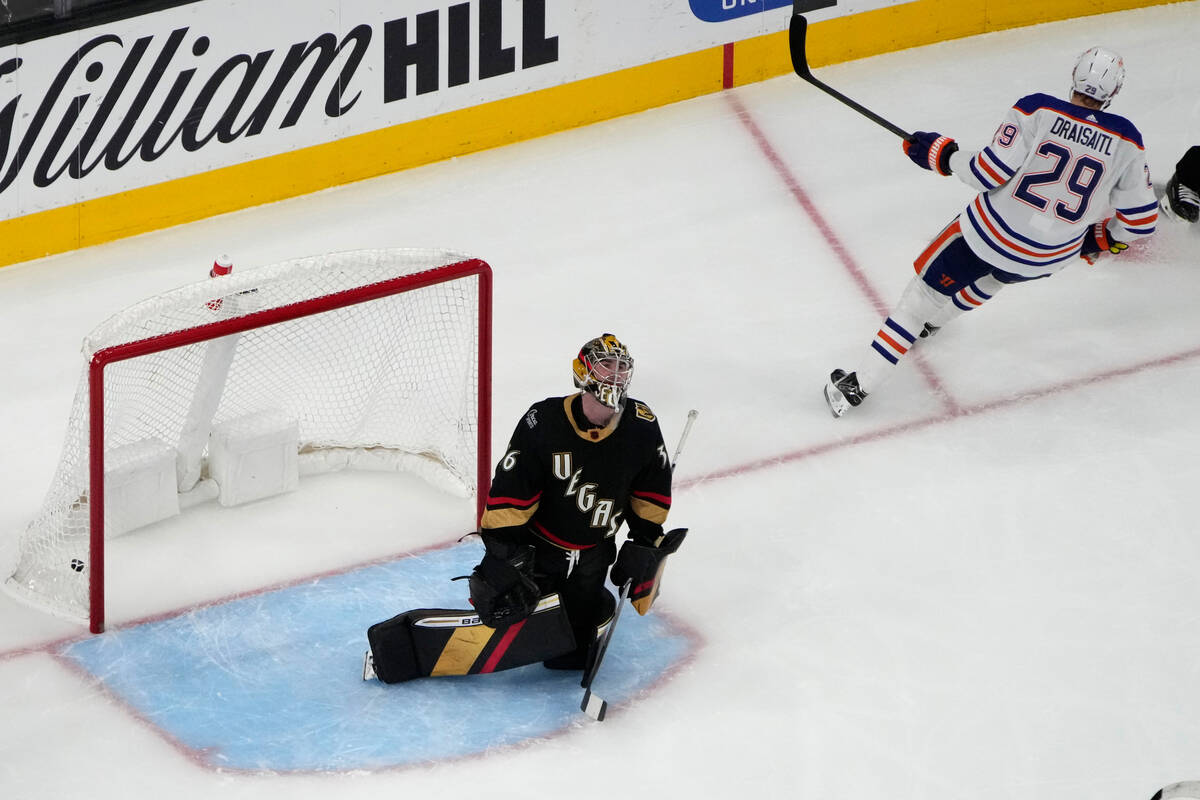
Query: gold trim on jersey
[648, 511]
[591, 434]
[506, 517]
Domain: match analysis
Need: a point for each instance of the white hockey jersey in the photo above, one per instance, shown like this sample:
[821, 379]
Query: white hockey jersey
[1052, 170]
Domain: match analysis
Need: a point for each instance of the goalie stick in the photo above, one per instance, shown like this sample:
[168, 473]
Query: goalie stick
[593, 705]
[797, 35]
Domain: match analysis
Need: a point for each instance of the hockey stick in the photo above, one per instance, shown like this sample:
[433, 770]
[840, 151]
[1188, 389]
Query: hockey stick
[592, 705]
[687, 428]
[797, 34]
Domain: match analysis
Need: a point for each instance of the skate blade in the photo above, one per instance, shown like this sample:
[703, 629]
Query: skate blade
[838, 404]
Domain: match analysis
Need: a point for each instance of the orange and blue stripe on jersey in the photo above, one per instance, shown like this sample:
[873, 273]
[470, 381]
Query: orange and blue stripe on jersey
[1139, 221]
[990, 170]
[1001, 238]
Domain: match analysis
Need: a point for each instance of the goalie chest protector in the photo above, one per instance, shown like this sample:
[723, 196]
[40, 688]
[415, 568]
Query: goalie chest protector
[430, 642]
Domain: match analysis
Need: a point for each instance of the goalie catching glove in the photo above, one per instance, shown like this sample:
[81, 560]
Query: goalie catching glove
[930, 151]
[502, 590]
[1097, 242]
[642, 565]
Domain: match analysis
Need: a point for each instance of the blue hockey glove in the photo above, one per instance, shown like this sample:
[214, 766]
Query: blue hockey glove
[930, 151]
[1097, 242]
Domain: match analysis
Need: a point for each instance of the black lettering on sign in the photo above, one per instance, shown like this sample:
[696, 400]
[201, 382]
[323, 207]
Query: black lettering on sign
[489, 42]
[399, 54]
[459, 66]
[494, 58]
[162, 96]
[536, 49]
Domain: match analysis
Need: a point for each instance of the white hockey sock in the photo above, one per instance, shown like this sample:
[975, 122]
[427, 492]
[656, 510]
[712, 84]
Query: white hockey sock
[968, 298]
[899, 331]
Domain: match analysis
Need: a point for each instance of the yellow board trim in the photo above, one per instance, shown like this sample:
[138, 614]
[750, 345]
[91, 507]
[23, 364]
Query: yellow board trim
[527, 116]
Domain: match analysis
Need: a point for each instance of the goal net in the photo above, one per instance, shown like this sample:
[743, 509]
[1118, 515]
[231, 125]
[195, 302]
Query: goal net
[230, 389]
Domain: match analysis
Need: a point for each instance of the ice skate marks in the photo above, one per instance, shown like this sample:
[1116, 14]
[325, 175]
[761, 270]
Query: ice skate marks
[273, 682]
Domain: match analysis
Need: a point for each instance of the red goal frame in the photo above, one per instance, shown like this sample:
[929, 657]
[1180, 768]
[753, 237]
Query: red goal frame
[214, 330]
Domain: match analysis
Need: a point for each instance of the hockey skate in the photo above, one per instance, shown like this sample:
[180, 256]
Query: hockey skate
[843, 392]
[368, 666]
[930, 330]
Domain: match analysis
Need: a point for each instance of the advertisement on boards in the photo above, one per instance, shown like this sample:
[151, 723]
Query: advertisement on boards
[140, 101]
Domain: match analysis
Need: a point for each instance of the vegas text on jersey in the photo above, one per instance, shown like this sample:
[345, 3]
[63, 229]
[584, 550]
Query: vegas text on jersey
[572, 485]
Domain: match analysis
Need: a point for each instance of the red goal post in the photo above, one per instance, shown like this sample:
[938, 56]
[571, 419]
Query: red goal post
[376, 359]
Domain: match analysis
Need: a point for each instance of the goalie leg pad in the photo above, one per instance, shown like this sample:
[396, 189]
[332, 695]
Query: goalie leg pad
[430, 642]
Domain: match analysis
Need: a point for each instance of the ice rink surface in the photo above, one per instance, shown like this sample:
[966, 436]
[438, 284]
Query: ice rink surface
[982, 583]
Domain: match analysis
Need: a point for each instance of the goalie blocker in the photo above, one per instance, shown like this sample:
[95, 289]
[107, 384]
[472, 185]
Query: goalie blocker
[431, 642]
[643, 566]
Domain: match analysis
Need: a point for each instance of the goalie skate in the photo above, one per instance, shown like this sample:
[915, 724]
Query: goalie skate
[368, 666]
[843, 392]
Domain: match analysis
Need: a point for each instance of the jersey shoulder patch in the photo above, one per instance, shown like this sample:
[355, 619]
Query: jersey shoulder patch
[642, 411]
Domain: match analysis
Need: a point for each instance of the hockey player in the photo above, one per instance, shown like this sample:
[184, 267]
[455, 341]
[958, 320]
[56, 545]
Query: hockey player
[575, 469]
[1046, 182]
[1181, 198]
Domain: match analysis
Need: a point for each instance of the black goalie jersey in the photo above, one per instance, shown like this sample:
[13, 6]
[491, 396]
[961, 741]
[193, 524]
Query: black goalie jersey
[573, 485]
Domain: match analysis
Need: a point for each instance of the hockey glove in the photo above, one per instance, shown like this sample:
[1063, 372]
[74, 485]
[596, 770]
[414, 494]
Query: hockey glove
[930, 151]
[1097, 242]
[502, 590]
[643, 566]
[1181, 201]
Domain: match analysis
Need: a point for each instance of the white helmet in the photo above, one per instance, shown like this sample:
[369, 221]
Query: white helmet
[1099, 74]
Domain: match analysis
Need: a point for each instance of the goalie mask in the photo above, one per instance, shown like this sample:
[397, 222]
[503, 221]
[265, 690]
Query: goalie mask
[1098, 74]
[604, 368]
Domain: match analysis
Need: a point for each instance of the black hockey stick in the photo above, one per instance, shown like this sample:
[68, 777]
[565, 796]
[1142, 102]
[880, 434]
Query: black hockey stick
[592, 705]
[797, 34]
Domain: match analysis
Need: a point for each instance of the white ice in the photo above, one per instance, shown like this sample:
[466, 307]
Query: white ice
[981, 584]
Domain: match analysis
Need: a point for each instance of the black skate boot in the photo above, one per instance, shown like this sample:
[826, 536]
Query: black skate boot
[843, 392]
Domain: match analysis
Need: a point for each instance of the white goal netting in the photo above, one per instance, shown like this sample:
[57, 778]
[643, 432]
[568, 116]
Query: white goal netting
[339, 360]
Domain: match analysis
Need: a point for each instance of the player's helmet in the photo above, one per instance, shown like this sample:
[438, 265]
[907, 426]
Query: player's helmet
[1099, 74]
[604, 368]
